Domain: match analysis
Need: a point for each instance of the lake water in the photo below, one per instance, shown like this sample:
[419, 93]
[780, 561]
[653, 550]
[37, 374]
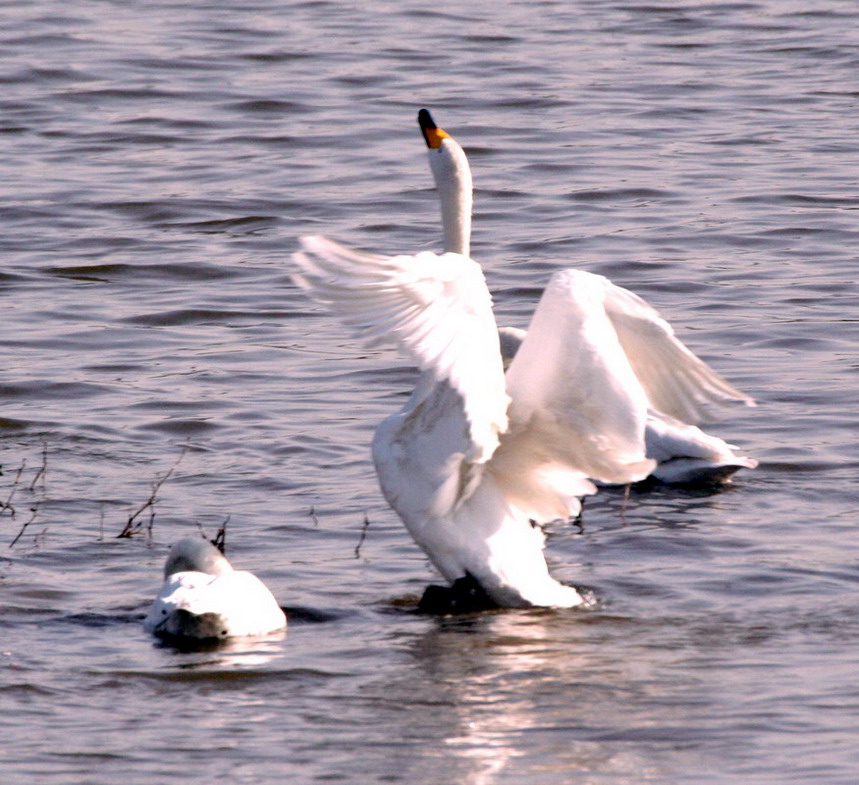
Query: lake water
[158, 161]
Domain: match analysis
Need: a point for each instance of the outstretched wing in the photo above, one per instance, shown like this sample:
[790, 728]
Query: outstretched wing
[578, 407]
[676, 381]
[436, 309]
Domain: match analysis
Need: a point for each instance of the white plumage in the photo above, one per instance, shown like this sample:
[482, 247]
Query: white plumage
[451, 462]
[682, 390]
[686, 387]
[204, 598]
[476, 458]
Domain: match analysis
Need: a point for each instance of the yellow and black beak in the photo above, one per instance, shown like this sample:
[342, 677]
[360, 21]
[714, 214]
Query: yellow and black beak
[432, 133]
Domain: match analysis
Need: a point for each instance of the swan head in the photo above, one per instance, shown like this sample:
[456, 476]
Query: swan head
[194, 554]
[433, 135]
[452, 176]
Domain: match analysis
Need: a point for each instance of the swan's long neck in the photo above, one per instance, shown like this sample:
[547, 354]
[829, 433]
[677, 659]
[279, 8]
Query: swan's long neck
[453, 181]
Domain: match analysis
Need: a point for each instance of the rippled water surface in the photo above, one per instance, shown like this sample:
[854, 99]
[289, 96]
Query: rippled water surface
[158, 161]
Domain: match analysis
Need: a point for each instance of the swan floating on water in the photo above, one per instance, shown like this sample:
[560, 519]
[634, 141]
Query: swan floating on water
[478, 457]
[204, 598]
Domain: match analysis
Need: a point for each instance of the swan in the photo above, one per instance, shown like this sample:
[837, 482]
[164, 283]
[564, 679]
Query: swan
[684, 454]
[204, 598]
[478, 458]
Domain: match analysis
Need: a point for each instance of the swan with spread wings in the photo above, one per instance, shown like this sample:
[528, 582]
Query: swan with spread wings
[479, 456]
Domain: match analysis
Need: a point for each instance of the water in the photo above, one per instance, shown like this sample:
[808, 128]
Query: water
[157, 162]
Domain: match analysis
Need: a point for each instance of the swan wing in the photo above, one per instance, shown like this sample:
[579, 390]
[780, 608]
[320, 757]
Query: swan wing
[577, 408]
[435, 308]
[676, 381]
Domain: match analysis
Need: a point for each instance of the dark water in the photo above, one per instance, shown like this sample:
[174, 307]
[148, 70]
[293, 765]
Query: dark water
[157, 162]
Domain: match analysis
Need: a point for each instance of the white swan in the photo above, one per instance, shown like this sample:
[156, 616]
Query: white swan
[684, 454]
[204, 598]
[477, 456]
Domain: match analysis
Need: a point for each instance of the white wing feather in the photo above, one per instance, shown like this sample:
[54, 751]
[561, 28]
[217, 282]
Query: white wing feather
[676, 381]
[436, 308]
[577, 405]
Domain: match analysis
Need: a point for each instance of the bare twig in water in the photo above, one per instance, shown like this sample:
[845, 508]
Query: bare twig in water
[132, 525]
[363, 536]
[627, 489]
[7, 505]
[35, 512]
[43, 469]
[220, 540]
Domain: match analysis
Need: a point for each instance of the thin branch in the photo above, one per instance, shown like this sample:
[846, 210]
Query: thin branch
[43, 469]
[220, 540]
[363, 537]
[627, 489]
[35, 512]
[7, 505]
[132, 525]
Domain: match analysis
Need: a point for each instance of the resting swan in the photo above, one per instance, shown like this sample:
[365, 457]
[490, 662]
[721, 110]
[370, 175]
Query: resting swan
[204, 598]
[477, 458]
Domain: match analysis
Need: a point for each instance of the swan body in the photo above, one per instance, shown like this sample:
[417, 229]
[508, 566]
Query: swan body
[476, 456]
[204, 598]
[479, 456]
